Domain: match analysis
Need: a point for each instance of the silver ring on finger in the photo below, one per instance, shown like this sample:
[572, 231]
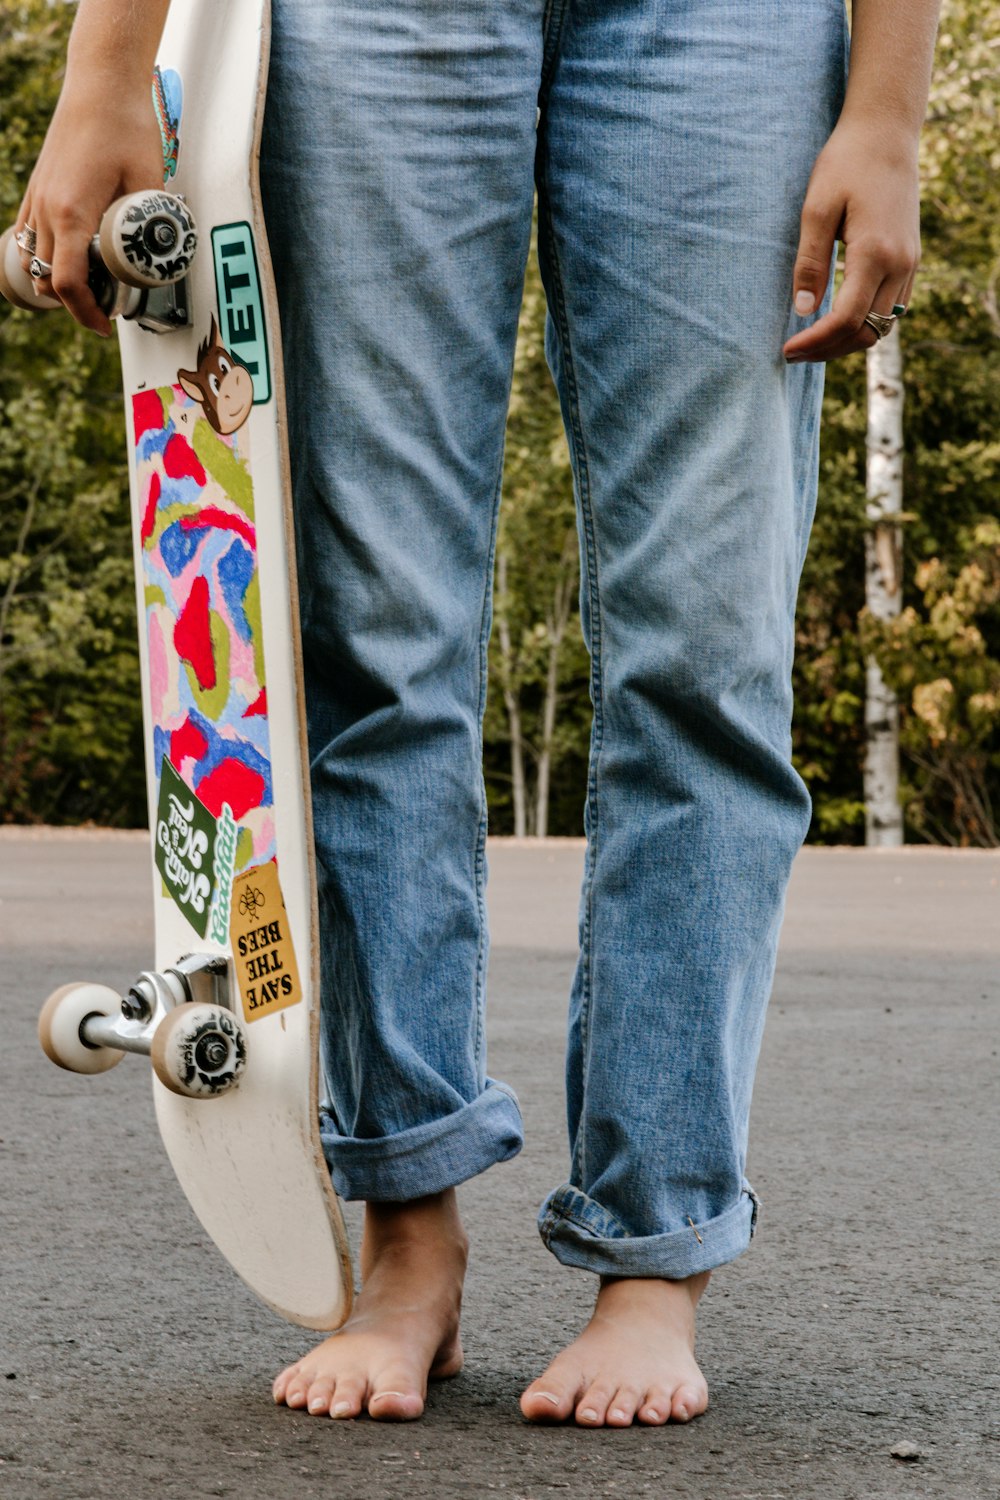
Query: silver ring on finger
[26, 239]
[882, 322]
[39, 269]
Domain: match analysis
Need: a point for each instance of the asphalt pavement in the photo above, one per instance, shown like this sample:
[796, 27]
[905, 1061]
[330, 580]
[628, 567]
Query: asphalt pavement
[133, 1364]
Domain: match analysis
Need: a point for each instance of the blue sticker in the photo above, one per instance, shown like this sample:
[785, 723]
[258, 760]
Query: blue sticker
[168, 99]
[241, 306]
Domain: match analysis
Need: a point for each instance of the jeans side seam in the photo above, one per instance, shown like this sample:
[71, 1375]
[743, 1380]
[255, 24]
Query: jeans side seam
[480, 862]
[579, 449]
[553, 19]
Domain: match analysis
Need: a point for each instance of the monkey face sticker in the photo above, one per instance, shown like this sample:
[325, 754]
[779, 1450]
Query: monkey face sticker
[221, 385]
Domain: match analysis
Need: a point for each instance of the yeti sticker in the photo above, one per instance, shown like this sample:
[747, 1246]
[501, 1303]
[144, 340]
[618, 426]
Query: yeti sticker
[241, 306]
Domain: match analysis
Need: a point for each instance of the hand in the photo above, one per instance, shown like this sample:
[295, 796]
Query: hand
[102, 142]
[864, 190]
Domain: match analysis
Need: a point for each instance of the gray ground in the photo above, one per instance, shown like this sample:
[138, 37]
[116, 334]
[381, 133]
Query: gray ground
[864, 1315]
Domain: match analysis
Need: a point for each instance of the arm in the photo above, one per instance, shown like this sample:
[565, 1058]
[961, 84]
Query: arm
[864, 188]
[103, 141]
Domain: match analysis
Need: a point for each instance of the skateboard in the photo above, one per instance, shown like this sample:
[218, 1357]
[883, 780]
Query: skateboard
[228, 1012]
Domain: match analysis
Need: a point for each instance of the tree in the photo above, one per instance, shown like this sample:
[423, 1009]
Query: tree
[538, 709]
[883, 585]
[70, 728]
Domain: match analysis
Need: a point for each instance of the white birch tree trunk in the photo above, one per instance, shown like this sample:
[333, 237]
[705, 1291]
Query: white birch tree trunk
[556, 624]
[513, 707]
[883, 585]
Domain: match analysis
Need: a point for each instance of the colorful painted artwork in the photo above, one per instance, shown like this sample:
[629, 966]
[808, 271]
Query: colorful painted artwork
[168, 96]
[206, 664]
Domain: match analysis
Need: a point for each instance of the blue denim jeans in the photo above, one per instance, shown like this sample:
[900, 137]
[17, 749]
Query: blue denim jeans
[671, 142]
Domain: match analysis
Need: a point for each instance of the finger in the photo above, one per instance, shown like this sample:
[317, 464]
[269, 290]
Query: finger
[906, 295]
[818, 231]
[863, 276]
[889, 295]
[70, 269]
[22, 222]
[42, 285]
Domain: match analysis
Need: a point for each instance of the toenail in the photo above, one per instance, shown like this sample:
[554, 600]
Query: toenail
[617, 1412]
[342, 1409]
[317, 1403]
[683, 1413]
[545, 1396]
[589, 1414]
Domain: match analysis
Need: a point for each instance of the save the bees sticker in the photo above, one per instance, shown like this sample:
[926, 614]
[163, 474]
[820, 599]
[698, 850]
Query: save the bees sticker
[263, 957]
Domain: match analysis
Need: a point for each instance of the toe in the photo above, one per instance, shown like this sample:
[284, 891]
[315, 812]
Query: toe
[623, 1406]
[547, 1400]
[396, 1395]
[688, 1401]
[395, 1406]
[283, 1381]
[592, 1408]
[348, 1397]
[655, 1408]
[319, 1396]
[295, 1393]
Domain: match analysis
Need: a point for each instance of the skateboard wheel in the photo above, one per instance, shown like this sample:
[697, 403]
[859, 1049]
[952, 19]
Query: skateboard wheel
[63, 1013]
[148, 239]
[16, 285]
[199, 1051]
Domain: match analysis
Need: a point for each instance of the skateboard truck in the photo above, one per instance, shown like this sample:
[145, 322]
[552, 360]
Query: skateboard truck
[179, 1018]
[139, 261]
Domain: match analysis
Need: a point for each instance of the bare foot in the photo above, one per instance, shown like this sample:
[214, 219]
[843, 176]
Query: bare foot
[404, 1327]
[634, 1360]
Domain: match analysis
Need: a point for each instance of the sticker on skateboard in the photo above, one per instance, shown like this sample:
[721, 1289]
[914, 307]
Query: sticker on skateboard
[206, 666]
[184, 853]
[241, 306]
[267, 975]
[168, 97]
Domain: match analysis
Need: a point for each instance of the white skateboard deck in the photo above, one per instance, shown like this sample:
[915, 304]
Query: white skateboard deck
[221, 681]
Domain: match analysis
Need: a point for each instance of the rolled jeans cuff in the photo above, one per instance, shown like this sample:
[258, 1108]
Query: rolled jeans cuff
[427, 1158]
[579, 1232]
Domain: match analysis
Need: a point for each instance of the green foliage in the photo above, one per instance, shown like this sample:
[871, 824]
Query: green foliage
[69, 709]
[70, 728]
[951, 354]
[537, 650]
[943, 660]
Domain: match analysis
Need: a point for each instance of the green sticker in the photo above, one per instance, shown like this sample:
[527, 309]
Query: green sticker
[241, 306]
[185, 848]
[226, 836]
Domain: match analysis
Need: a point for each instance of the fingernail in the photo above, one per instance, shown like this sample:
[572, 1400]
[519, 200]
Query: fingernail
[804, 302]
[342, 1409]
[793, 359]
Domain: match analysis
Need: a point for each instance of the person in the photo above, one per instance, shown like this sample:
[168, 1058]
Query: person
[695, 163]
